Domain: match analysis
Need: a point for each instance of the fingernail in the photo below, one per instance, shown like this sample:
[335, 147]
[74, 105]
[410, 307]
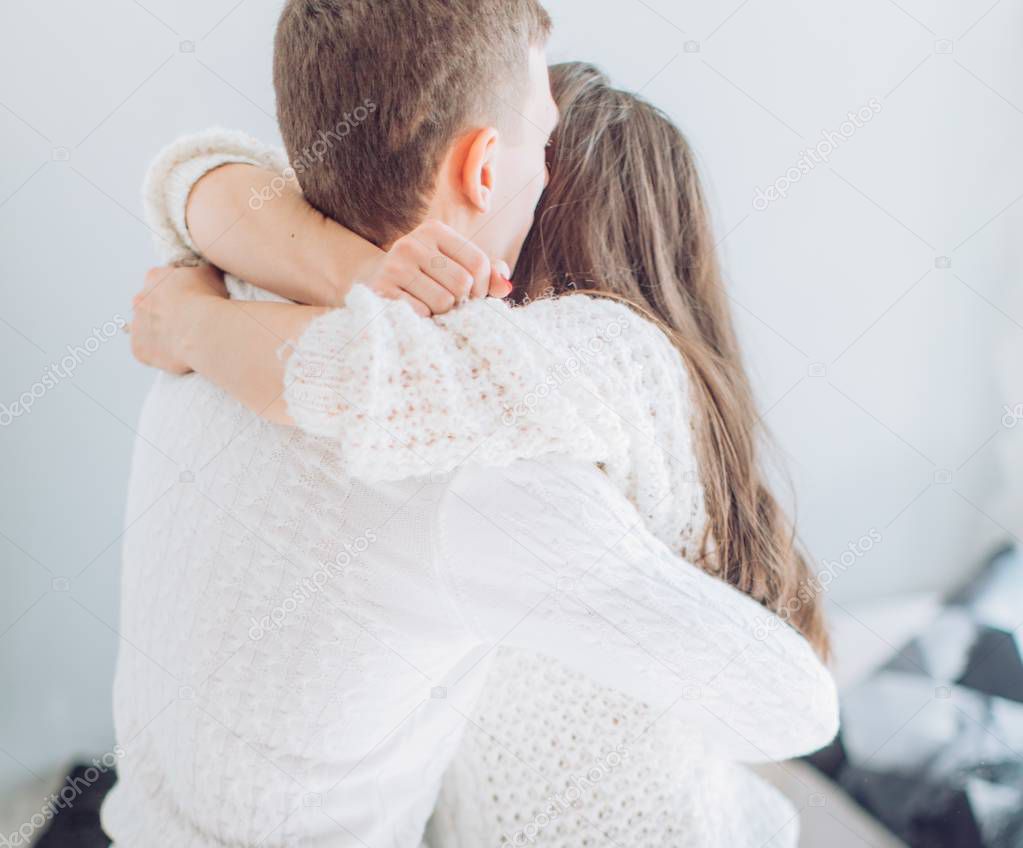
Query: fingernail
[503, 269]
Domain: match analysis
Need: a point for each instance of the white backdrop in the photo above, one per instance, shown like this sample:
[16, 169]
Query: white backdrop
[870, 297]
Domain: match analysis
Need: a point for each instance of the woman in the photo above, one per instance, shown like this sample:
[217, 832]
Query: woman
[623, 219]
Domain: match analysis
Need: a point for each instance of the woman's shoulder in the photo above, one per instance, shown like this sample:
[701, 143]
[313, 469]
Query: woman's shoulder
[607, 319]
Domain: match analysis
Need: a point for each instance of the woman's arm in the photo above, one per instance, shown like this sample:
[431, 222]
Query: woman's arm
[233, 201]
[577, 376]
[225, 196]
[183, 321]
[255, 224]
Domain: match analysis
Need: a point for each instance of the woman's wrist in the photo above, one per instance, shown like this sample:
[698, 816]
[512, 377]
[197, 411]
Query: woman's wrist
[199, 317]
[346, 259]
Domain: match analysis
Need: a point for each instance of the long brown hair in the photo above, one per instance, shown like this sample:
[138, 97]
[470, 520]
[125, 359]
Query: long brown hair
[624, 216]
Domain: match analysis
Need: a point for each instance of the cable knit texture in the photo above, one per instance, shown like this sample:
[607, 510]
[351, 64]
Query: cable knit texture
[575, 376]
[549, 751]
[552, 759]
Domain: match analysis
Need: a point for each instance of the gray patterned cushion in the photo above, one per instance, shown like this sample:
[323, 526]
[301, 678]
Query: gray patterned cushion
[932, 743]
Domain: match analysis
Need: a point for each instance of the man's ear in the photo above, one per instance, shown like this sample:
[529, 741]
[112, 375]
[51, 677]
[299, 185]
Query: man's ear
[479, 168]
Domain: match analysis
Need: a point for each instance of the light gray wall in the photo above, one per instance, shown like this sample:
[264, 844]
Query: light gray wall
[873, 366]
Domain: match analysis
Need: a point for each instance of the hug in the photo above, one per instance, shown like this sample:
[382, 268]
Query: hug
[543, 593]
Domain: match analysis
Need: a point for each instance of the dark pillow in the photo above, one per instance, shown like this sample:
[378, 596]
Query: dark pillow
[77, 825]
[932, 743]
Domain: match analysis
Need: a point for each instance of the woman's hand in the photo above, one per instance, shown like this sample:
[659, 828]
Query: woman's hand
[434, 269]
[164, 314]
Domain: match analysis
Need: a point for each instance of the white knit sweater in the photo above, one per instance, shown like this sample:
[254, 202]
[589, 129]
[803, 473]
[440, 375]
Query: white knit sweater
[587, 379]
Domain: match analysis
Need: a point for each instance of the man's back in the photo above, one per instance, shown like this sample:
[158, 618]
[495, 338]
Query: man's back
[268, 671]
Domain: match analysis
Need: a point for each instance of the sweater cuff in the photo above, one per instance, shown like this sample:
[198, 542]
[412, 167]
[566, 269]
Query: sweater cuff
[179, 166]
[334, 353]
[180, 182]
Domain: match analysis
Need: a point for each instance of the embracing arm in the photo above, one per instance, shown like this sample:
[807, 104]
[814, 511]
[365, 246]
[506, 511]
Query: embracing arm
[405, 396]
[183, 321]
[257, 224]
[233, 200]
[227, 198]
[571, 376]
[571, 572]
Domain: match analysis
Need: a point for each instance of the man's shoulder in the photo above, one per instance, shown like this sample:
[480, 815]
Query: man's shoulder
[188, 419]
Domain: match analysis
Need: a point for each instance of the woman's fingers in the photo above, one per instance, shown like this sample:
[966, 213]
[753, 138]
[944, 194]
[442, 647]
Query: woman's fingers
[462, 252]
[417, 305]
[437, 269]
[449, 274]
[395, 292]
[500, 279]
[159, 313]
[426, 289]
[434, 265]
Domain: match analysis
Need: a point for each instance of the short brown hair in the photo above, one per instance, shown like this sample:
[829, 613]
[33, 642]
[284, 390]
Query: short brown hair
[370, 95]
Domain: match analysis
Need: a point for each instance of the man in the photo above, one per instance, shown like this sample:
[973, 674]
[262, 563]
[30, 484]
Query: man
[299, 648]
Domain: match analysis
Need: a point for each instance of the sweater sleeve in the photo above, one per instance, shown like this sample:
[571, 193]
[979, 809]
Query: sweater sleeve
[571, 572]
[408, 396]
[179, 166]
